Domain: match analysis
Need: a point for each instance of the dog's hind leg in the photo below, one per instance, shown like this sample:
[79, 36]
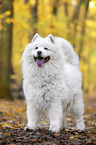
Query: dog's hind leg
[77, 112]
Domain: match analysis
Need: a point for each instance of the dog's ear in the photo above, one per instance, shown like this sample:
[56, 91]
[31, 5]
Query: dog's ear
[50, 36]
[35, 37]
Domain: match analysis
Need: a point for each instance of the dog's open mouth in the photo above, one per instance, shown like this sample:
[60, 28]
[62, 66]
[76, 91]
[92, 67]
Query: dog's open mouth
[41, 60]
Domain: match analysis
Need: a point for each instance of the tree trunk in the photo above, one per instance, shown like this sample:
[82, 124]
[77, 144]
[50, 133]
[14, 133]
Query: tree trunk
[26, 1]
[86, 3]
[75, 19]
[34, 16]
[34, 20]
[55, 7]
[5, 47]
[66, 5]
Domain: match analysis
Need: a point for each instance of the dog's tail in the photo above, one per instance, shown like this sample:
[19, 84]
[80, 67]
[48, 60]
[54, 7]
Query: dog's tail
[68, 51]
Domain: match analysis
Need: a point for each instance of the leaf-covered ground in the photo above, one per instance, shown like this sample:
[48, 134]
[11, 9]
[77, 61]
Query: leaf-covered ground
[13, 120]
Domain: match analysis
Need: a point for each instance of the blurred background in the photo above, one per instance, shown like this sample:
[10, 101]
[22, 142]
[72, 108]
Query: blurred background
[74, 20]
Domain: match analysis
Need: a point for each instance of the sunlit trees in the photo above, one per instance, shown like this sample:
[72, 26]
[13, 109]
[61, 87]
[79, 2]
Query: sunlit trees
[6, 13]
[73, 20]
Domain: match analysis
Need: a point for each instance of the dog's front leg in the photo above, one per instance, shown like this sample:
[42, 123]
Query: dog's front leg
[32, 116]
[55, 116]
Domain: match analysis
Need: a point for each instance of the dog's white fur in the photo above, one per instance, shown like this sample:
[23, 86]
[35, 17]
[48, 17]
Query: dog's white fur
[55, 87]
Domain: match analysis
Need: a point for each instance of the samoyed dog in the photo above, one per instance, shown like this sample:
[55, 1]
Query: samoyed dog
[52, 82]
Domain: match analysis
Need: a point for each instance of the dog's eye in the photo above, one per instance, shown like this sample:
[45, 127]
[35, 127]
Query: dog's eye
[36, 47]
[46, 48]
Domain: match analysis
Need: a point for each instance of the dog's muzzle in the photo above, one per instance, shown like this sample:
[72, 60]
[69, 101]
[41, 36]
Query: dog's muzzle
[41, 60]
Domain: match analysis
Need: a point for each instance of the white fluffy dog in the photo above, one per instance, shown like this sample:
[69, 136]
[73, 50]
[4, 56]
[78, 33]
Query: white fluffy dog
[52, 82]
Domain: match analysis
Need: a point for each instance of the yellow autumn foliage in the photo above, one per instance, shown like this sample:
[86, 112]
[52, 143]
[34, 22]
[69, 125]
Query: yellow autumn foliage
[9, 20]
[58, 19]
[7, 13]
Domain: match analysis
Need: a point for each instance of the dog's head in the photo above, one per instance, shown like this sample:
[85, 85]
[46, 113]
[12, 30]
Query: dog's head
[42, 56]
[41, 50]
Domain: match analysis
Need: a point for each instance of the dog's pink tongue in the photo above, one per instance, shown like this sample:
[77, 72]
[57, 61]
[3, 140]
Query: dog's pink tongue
[39, 62]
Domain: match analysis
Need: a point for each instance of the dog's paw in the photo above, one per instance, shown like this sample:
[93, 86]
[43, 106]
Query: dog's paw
[54, 127]
[80, 127]
[27, 128]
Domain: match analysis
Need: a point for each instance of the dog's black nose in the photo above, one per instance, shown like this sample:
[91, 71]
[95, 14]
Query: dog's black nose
[39, 52]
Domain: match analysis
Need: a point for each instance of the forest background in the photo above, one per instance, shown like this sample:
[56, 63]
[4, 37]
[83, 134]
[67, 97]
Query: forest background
[74, 20]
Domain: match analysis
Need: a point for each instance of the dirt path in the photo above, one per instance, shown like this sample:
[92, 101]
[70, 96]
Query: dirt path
[13, 120]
